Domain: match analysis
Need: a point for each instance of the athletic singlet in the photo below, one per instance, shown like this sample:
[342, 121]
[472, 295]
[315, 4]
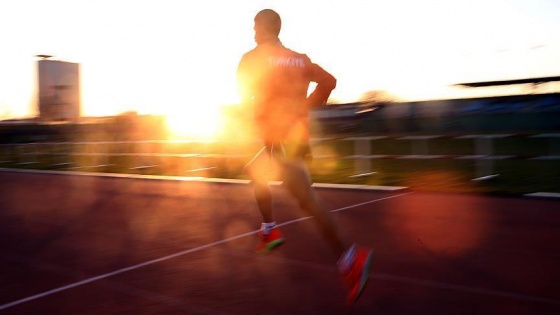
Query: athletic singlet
[275, 80]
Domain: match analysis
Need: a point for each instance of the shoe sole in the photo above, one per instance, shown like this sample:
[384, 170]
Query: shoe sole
[364, 279]
[270, 246]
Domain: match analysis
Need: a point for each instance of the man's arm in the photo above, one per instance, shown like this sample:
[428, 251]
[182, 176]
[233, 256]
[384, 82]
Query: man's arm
[326, 82]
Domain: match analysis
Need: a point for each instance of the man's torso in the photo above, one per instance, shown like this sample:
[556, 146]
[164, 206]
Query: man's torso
[279, 79]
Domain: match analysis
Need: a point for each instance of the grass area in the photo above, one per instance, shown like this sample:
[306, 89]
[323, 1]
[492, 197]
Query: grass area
[331, 164]
[514, 177]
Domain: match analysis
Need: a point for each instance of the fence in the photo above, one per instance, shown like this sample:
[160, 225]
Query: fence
[483, 152]
[195, 156]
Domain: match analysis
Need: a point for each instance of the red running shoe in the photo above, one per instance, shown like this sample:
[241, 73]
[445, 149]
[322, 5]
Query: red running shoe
[356, 275]
[269, 242]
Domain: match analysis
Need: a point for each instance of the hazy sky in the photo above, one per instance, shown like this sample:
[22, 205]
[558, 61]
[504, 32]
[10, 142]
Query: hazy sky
[177, 56]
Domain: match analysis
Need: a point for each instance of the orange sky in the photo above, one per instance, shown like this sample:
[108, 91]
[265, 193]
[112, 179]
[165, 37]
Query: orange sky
[177, 57]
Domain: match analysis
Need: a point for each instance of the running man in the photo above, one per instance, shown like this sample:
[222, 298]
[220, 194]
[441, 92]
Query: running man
[274, 81]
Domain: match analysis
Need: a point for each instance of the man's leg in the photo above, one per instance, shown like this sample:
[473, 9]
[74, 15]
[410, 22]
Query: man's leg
[298, 182]
[258, 170]
[354, 262]
[263, 197]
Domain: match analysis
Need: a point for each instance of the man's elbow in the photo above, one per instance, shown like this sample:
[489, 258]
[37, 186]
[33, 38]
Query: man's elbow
[329, 83]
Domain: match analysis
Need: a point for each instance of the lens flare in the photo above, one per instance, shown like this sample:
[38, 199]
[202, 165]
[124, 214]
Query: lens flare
[200, 122]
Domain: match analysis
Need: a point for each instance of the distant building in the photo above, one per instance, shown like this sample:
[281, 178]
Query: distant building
[59, 92]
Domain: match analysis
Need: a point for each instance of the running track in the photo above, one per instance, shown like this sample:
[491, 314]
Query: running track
[104, 245]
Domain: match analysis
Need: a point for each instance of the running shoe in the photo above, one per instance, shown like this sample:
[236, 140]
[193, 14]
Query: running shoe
[356, 274]
[270, 241]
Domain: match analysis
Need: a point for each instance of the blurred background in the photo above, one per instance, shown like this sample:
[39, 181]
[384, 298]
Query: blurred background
[443, 95]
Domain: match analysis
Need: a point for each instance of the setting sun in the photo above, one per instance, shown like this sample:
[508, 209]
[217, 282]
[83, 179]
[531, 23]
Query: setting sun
[200, 122]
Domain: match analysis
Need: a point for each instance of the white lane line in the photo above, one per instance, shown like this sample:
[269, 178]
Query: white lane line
[164, 258]
[371, 201]
[195, 178]
[183, 304]
[119, 271]
[544, 195]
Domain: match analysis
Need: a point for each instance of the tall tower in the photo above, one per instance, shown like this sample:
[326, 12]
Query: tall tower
[59, 90]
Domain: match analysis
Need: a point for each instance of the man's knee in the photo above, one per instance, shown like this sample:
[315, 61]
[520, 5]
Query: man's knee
[296, 174]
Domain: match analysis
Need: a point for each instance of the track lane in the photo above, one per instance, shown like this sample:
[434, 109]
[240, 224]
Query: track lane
[437, 253]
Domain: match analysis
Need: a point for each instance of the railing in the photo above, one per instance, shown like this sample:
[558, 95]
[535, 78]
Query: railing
[363, 152]
[483, 153]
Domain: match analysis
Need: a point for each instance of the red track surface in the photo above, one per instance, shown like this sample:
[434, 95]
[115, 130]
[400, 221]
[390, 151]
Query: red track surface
[97, 245]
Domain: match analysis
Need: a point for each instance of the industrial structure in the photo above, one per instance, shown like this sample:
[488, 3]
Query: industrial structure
[59, 93]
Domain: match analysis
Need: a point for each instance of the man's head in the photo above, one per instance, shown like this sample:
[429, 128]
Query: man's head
[267, 25]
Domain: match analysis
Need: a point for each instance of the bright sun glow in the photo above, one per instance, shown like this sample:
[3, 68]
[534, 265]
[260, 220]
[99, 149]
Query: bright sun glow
[203, 122]
[190, 49]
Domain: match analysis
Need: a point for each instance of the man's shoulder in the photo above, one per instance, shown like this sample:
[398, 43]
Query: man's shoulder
[267, 49]
[255, 54]
[294, 53]
[263, 53]
[250, 53]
